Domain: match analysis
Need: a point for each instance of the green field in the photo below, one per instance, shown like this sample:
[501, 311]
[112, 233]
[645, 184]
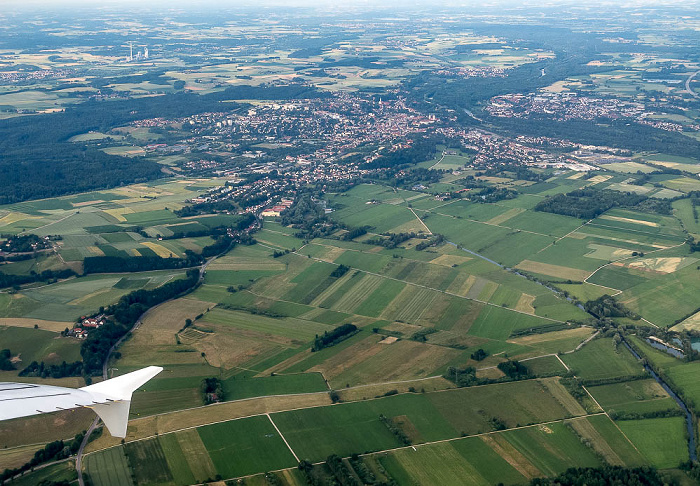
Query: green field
[453, 463]
[38, 345]
[245, 446]
[551, 448]
[237, 388]
[355, 427]
[661, 440]
[298, 329]
[639, 396]
[600, 360]
[148, 462]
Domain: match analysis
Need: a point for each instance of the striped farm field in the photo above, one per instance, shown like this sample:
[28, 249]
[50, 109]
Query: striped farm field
[466, 461]
[409, 304]
[375, 304]
[402, 360]
[196, 455]
[358, 293]
[288, 327]
[179, 461]
[551, 448]
[148, 462]
[108, 468]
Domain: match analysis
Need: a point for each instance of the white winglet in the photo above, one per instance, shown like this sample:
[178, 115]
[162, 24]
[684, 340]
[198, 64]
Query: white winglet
[110, 399]
[114, 397]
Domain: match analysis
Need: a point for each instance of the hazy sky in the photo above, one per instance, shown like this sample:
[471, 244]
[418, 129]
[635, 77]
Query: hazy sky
[325, 4]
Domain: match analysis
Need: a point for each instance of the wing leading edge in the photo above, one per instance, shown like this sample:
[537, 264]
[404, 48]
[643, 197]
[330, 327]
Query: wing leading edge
[110, 399]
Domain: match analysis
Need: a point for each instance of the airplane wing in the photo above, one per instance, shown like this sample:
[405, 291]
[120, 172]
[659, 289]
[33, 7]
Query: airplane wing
[110, 399]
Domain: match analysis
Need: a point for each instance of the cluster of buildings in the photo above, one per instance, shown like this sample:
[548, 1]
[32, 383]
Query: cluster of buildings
[473, 72]
[342, 122]
[324, 140]
[272, 149]
[278, 208]
[81, 330]
[15, 76]
[571, 106]
[564, 106]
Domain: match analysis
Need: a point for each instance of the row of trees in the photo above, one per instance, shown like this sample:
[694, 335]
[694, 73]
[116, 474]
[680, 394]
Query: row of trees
[391, 240]
[48, 276]
[338, 334]
[604, 476]
[114, 264]
[53, 451]
[42, 370]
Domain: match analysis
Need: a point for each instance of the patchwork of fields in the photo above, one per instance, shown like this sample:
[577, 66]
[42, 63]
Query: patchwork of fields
[422, 317]
[640, 255]
[233, 448]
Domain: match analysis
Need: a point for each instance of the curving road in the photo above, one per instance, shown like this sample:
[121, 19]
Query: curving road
[105, 365]
[687, 84]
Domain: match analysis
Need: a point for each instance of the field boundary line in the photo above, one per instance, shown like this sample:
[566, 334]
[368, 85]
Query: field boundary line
[583, 343]
[283, 438]
[53, 222]
[441, 441]
[488, 224]
[606, 413]
[294, 409]
[438, 162]
[399, 382]
[562, 362]
[421, 221]
[561, 238]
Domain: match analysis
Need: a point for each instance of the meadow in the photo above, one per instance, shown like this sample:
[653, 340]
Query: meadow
[639, 396]
[599, 359]
[660, 440]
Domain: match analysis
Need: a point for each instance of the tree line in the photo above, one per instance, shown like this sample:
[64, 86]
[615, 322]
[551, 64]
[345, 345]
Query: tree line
[49, 276]
[338, 334]
[52, 451]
